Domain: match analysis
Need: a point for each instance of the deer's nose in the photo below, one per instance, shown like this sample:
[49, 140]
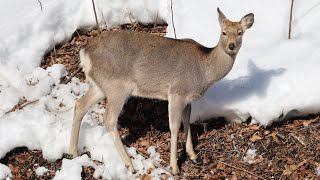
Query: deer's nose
[232, 46]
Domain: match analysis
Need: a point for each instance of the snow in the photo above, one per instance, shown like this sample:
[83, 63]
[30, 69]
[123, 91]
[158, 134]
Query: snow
[250, 155]
[5, 172]
[41, 171]
[272, 76]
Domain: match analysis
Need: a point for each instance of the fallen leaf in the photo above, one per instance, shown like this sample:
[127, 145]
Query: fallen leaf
[306, 123]
[254, 127]
[221, 166]
[205, 158]
[229, 139]
[266, 132]
[20, 159]
[255, 138]
[302, 163]
[258, 159]
[274, 137]
[29, 173]
[144, 143]
[145, 177]
[287, 171]
[293, 167]
[234, 177]
[289, 160]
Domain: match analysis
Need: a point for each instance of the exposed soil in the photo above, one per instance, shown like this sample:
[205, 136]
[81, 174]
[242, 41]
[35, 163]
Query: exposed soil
[286, 150]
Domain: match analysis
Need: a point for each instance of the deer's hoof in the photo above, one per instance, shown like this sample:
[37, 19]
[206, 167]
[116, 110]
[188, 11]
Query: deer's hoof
[174, 170]
[131, 169]
[197, 161]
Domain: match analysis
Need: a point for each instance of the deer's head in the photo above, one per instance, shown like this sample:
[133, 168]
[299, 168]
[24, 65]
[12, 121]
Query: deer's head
[232, 32]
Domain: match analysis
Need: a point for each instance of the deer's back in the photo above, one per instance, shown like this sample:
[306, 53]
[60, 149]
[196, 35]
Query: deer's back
[152, 64]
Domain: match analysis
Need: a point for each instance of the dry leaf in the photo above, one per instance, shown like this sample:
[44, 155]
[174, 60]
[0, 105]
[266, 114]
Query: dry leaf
[29, 173]
[254, 127]
[293, 167]
[234, 177]
[289, 160]
[229, 139]
[306, 123]
[266, 132]
[20, 159]
[221, 166]
[258, 159]
[205, 158]
[145, 177]
[302, 163]
[274, 137]
[287, 171]
[255, 138]
[144, 143]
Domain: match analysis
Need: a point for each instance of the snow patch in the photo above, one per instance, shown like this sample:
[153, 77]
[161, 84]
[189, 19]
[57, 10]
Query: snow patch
[41, 171]
[5, 172]
[71, 169]
[250, 155]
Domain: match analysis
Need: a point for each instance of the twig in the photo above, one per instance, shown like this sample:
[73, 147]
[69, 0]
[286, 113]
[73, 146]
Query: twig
[155, 22]
[72, 75]
[241, 169]
[40, 4]
[104, 20]
[290, 21]
[95, 15]
[298, 139]
[21, 106]
[174, 29]
[54, 49]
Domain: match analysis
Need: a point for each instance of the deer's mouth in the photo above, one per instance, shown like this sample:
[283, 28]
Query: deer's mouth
[234, 51]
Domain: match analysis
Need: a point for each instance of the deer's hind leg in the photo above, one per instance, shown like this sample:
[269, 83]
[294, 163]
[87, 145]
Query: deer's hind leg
[116, 101]
[91, 97]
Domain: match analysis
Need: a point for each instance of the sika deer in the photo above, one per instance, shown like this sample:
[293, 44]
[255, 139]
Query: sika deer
[120, 64]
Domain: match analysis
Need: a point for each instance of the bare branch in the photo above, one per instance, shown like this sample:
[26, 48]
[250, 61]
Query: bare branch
[95, 15]
[290, 21]
[174, 29]
[40, 4]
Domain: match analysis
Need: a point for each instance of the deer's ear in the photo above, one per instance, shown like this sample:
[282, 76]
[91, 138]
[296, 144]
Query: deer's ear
[247, 21]
[222, 17]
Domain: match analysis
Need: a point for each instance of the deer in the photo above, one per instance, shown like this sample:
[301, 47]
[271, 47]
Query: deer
[121, 64]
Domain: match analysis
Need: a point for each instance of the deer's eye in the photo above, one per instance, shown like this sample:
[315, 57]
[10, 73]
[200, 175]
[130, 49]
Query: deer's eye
[224, 33]
[239, 33]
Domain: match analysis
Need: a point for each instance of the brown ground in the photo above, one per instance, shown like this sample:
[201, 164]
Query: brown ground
[286, 150]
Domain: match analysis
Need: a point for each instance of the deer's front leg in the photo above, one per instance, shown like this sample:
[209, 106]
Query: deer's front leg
[187, 132]
[176, 106]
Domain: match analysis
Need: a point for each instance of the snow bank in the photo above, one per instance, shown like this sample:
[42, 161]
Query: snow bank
[46, 125]
[5, 172]
[272, 76]
[27, 33]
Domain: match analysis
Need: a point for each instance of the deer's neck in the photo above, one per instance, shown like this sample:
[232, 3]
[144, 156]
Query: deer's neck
[218, 64]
